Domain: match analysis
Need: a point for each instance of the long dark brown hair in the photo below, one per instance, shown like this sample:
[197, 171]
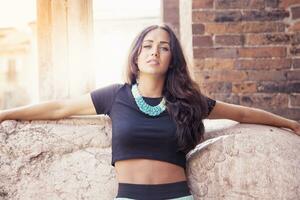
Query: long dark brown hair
[185, 103]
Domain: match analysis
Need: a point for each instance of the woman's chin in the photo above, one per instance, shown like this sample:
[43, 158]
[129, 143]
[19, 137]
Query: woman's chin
[153, 72]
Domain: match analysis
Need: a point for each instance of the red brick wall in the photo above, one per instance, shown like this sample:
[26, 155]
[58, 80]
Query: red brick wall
[170, 14]
[247, 52]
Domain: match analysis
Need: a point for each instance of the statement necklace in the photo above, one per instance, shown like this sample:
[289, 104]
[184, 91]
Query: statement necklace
[144, 107]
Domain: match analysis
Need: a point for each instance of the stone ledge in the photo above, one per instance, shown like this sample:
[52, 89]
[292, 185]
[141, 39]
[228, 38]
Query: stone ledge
[70, 159]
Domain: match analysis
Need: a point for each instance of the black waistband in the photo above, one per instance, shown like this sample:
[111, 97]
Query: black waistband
[156, 191]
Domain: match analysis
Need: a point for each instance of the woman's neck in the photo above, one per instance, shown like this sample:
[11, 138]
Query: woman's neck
[149, 87]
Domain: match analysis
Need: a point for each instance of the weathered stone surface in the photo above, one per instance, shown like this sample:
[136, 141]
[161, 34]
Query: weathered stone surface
[70, 159]
[66, 159]
[246, 162]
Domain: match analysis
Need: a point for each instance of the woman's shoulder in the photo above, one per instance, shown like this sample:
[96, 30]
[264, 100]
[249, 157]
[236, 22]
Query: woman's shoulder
[113, 86]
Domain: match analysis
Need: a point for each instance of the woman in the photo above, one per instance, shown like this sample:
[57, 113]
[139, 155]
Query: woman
[156, 117]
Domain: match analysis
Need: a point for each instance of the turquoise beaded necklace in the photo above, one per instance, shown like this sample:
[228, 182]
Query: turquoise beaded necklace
[144, 107]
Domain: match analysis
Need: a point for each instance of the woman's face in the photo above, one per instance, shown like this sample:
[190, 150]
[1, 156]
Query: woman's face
[155, 53]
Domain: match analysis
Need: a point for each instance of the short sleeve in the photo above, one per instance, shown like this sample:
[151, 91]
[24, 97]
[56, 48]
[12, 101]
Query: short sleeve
[210, 104]
[104, 97]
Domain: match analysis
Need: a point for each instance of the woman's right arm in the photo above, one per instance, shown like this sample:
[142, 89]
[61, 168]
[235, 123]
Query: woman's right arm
[51, 110]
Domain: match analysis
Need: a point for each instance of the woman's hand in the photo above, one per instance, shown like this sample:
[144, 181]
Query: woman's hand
[1, 116]
[296, 127]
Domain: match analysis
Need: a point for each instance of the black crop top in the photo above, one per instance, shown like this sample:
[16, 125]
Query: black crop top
[134, 133]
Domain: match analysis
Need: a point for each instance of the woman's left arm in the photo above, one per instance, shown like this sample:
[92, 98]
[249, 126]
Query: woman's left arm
[250, 115]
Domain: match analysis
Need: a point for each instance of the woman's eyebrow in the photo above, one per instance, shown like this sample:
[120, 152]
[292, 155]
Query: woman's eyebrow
[161, 42]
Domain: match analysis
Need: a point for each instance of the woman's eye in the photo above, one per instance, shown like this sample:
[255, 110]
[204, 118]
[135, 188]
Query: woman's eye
[165, 48]
[146, 46]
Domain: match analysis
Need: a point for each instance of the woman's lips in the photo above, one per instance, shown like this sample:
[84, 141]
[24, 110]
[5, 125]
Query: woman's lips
[153, 62]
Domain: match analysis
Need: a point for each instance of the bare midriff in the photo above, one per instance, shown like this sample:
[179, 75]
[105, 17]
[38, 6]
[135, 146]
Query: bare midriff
[146, 171]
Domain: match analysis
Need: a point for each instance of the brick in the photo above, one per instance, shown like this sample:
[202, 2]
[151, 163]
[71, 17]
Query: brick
[291, 113]
[220, 75]
[223, 28]
[245, 87]
[273, 38]
[202, 4]
[214, 63]
[202, 41]
[271, 3]
[217, 63]
[263, 100]
[268, 39]
[286, 3]
[266, 75]
[197, 28]
[171, 4]
[262, 52]
[295, 38]
[239, 4]
[283, 86]
[229, 97]
[295, 12]
[294, 27]
[263, 27]
[199, 16]
[295, 51]
[217, 87]
[229, 40]
[257, 64]
[293, 75]
[295, 99]
[265, 15]
[198, 64]
[203, 16]
[225, 52]
[171, 17]
[244, 27]
[215, 53]
[296, 63]
[228, 16]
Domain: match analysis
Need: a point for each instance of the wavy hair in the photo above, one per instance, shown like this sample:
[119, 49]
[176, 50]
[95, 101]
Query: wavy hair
[185, 103]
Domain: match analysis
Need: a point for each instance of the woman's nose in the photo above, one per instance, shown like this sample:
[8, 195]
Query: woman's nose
[154, 52]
